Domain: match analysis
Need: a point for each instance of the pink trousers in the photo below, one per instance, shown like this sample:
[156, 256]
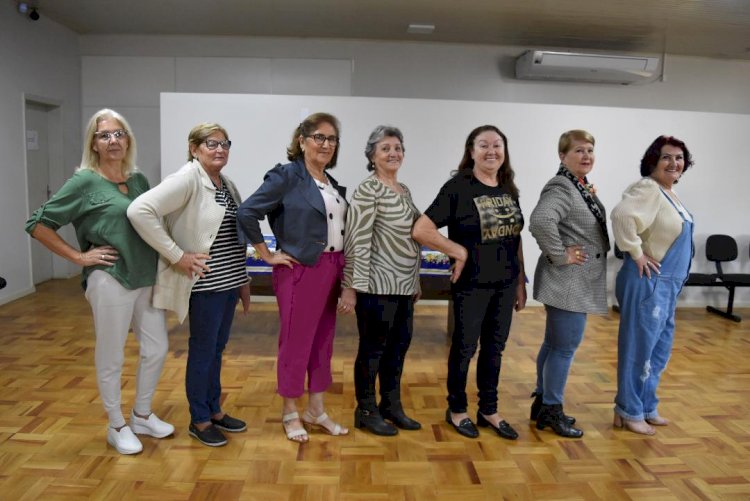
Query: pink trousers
[307, 298]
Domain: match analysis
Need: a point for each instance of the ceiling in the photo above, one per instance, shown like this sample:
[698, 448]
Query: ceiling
[711, 28]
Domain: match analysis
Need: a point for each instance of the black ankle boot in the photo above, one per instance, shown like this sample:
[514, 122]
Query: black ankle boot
[537, 404]
[552, 416]
[395, 414]
[373, 422]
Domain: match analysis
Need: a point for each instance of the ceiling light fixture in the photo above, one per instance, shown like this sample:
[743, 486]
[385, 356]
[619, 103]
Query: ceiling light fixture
[420, 29]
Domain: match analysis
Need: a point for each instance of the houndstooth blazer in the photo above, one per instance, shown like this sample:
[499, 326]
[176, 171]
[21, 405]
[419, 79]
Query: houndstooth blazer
[561, 219]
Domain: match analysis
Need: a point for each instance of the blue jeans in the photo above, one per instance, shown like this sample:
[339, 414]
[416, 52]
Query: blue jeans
[562, 336]
[211, 315]
[646, 334]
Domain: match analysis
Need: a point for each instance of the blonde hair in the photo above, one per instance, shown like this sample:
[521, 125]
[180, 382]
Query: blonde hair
[567, 138]
[90, 158]
[200, 133]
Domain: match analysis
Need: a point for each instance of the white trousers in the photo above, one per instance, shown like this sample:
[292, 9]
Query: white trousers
[115, 308]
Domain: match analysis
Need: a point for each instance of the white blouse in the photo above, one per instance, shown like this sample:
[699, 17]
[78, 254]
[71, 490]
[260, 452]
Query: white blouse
[336, 216]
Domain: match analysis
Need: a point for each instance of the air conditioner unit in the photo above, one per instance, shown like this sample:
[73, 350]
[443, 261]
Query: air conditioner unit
[578, 67]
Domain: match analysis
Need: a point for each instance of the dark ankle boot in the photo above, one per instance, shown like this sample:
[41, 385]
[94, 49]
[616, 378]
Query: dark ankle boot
[537, 404]
[373, 422]
[395, 414]
[552, 416]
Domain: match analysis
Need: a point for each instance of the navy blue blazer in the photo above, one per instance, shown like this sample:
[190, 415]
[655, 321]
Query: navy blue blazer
[295, 209]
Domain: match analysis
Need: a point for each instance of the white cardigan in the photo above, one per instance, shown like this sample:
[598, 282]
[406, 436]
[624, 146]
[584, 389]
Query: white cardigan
[177, 216]
[645, 221]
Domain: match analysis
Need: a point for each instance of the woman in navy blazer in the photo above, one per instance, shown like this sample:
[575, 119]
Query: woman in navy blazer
[306, 209]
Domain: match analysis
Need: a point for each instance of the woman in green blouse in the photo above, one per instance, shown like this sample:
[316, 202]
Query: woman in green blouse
[119, 270]
[381, 278]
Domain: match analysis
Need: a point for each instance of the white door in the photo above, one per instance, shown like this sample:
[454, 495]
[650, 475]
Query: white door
[38, 174]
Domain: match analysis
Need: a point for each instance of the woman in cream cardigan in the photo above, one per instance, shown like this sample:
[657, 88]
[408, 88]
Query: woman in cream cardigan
[190, 219]
[654, 231]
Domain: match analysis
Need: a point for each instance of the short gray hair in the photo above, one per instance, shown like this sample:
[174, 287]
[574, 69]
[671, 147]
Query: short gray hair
[377, 135]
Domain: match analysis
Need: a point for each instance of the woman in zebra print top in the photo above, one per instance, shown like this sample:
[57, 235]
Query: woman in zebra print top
[381, 282]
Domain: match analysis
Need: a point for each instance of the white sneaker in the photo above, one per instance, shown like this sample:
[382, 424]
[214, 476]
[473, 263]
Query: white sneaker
[151, 426]
[124, 440]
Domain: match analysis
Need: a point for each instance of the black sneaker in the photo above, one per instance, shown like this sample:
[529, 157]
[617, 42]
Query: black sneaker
[230, 424]
[211, 436]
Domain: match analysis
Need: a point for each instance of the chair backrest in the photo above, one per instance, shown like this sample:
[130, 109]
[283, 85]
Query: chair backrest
[721, 249]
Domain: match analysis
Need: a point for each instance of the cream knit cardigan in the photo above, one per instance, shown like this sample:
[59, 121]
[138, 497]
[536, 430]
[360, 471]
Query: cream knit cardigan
[179, 215]
[645, 221]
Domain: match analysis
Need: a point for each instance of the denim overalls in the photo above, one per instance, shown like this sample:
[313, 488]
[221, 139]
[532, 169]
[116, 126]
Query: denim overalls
[647, 309]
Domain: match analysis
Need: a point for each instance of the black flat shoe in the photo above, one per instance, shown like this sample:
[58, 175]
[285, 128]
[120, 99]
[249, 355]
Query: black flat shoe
[399, 418]
[230, 424]
[373, 422]
[504, 429]
[211, 436]
[465, 427]
[537, 404]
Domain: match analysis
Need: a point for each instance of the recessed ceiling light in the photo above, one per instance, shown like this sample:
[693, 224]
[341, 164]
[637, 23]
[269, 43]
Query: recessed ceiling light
[420, 29]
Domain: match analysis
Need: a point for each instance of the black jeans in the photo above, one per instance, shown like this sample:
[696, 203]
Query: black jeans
[385, 324]
[484, 316]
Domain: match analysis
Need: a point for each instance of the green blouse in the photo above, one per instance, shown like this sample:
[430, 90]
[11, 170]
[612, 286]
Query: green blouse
[97, 209]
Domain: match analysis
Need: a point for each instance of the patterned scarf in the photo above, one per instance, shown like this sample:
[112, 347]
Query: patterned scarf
[592, 204]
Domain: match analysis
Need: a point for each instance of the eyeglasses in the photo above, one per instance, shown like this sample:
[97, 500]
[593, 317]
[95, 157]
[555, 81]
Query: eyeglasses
[212, 144]
[322, 138]
[108, 135]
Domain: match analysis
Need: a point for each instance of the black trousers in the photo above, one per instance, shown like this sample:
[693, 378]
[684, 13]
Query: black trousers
[385, 324]
[482, 316]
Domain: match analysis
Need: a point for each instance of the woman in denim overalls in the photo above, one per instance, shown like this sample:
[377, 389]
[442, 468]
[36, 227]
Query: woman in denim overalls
[654, 231]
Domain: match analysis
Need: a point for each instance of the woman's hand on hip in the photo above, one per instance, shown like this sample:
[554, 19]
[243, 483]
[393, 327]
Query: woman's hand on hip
[192, 264]
[106, 255]
[281, 258]
[645, 264]
[576, 254]
[347, 301]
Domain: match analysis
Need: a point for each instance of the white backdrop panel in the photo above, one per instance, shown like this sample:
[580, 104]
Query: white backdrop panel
[260, 127]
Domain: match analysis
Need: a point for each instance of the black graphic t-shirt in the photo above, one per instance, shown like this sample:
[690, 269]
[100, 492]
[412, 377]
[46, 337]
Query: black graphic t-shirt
[488, 222]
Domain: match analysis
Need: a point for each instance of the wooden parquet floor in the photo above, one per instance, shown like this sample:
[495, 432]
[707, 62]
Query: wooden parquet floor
[52, 425]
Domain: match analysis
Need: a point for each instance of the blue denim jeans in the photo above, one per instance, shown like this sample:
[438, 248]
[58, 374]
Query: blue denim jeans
[646, 334]
[562, 336]
[211, 314]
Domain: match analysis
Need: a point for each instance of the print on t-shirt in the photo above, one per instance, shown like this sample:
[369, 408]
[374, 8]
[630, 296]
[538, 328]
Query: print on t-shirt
[498, 217]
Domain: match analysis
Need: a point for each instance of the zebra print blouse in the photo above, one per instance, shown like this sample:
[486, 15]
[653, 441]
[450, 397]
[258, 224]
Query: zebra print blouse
[381, 257]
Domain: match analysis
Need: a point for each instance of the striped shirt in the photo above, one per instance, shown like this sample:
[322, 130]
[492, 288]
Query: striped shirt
[381, 257]
[228, 256]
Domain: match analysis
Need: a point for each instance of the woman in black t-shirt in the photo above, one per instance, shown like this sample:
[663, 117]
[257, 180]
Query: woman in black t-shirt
[479, 205]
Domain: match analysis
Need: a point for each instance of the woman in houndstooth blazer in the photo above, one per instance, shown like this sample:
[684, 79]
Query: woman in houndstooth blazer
[570, 226]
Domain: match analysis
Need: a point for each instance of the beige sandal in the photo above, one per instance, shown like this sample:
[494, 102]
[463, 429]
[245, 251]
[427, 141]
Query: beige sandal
[640, 427]
[318, 421]
[298, 435]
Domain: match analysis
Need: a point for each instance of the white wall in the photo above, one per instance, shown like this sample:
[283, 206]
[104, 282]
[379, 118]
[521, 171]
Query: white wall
[38, 59]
